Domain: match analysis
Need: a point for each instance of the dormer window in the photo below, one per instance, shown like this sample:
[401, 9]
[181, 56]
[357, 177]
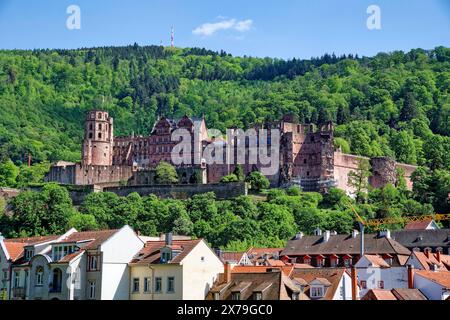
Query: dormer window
[317, 291]
[59, 252]
[28, 254]
[257, 295]
[166, 256]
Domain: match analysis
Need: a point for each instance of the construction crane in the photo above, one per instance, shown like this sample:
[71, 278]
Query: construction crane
[378, 223]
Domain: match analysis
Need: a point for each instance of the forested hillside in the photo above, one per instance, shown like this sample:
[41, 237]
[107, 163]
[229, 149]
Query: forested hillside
[393, 104]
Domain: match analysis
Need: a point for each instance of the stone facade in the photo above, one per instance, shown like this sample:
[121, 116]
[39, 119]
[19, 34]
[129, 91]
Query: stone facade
[307, 156]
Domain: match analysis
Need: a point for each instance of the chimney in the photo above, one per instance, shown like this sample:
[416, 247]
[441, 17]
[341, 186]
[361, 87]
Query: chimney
[355, 233]
[410, 277]
[227, 272]
[169, 238]
[438, 256]
[326, 236]
[299, 236]
[218, 252]
[354, 284]
[385, 233]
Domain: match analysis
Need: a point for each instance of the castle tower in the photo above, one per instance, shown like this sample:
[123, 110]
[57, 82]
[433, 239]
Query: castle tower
[98, 139]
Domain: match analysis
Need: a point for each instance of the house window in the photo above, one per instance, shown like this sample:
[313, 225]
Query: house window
[202, 259]
[257, 295]
[317, 292]
[380, 284]
[56, 281]
[39, 276]
[16, 279]
[170, 285]
[236, 296]
[91, 290]
[347, 262]
[136, 285]
[158, 285]
[5, 275]
[93, 263]
[28, 254]
[147, 285]
[363, 284]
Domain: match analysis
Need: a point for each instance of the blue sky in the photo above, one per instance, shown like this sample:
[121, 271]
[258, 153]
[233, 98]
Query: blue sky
[281, 28]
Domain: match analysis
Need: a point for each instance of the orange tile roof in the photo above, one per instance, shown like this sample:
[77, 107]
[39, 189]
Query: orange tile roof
[15, 246]
[151, 253]
[15, 249]
[261, 269]
[426, 262]
[377, 261]
[381, 294]
[440, 277]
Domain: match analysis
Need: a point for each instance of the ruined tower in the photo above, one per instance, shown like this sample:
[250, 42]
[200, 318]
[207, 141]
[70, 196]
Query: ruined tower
[98, 139]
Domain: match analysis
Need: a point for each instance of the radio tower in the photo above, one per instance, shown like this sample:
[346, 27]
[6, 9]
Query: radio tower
[172, 38]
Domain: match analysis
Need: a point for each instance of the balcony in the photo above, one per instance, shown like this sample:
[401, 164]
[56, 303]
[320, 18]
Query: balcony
[19, 292]
[55, 289]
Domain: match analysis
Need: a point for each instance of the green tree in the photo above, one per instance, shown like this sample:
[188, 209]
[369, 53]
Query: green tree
[358, 180]
[8, 174]
[257, 181]
[166, 174]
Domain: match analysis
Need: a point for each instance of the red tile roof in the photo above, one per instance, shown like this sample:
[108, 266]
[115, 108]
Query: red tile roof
[229, 256]
[95, 238]
[418, 225]
[332, 276]
[151, 253]
[440, 277]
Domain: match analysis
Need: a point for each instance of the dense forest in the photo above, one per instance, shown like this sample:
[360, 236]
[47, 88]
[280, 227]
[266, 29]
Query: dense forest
[394, 104]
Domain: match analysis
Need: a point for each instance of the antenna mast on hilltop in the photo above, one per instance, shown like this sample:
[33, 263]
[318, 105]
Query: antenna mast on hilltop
[172, 37]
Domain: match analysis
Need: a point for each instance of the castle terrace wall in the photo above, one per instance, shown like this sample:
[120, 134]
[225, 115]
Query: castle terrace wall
[222, 191]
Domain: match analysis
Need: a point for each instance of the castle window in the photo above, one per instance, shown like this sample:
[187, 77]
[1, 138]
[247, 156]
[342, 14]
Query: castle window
[99, 126]
[90, 135]
[90, 127]
[307, 173]
[304, 161]
[99, 135]
[312, 139]
[99, 116]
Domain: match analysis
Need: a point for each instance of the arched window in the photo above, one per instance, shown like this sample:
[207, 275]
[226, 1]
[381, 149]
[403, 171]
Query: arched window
[39, 276]
[56, 284]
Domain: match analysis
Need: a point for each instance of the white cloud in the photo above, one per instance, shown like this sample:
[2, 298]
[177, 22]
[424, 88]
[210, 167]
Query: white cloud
[209, 28]
[243, 26]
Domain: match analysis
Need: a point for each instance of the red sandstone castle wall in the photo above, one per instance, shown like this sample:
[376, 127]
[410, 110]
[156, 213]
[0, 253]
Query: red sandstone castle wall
[87, 175]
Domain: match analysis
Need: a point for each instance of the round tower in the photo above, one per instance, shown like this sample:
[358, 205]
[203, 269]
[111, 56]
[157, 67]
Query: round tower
[98, 139]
